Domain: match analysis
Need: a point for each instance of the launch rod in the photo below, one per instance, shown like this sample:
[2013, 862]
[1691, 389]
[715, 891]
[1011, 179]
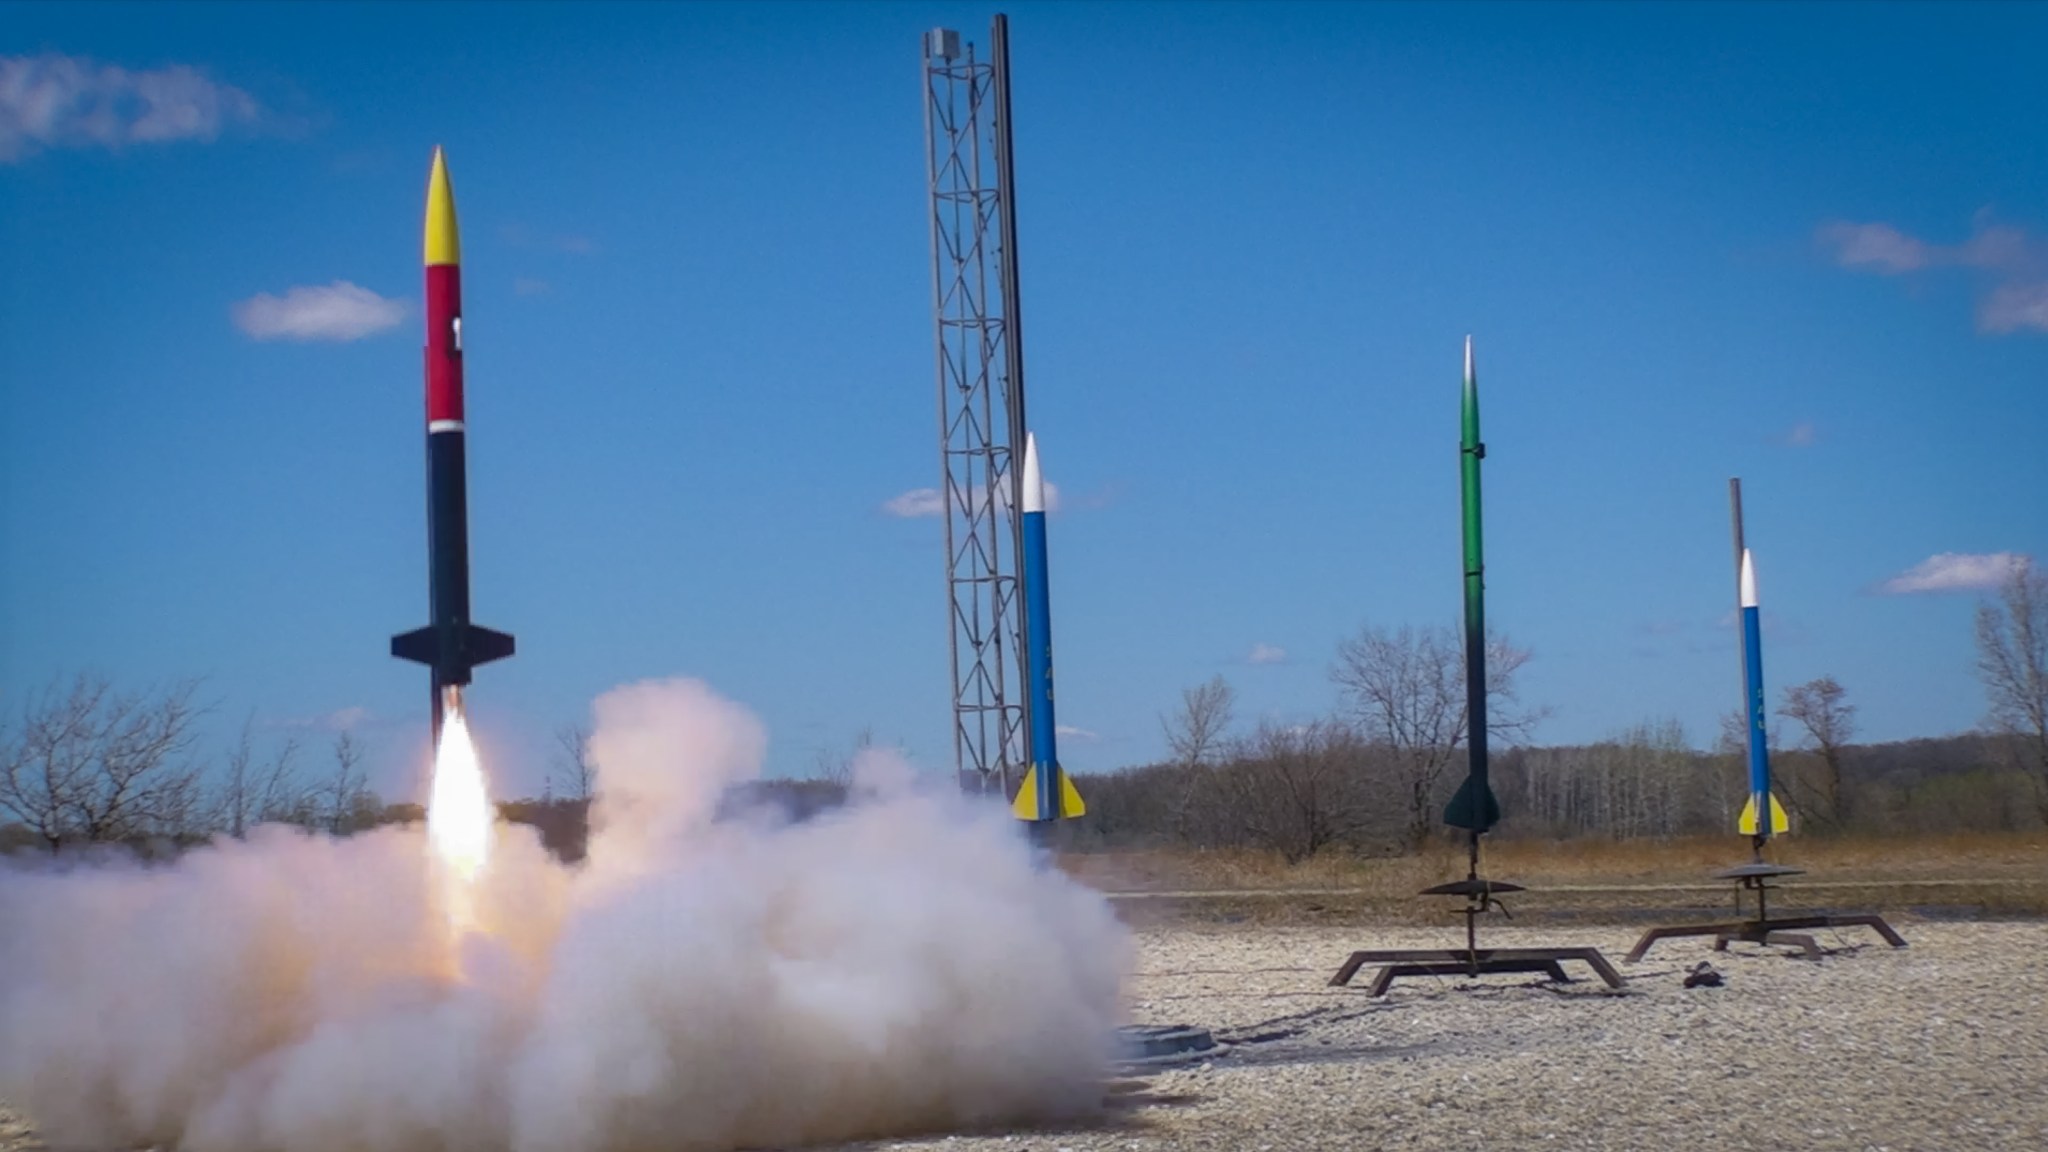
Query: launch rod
[1013, 334]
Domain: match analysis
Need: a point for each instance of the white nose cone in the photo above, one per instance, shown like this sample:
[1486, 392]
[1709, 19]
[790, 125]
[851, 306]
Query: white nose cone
[1034, 481]
[1748, 581]
[1468, 358]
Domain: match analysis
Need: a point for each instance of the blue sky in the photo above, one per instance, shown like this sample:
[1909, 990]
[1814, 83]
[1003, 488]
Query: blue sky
[1804, 245]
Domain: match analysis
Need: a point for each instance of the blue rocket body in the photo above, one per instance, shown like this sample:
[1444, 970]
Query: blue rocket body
[1759, 745]
[1046, 793]
[1762, 816]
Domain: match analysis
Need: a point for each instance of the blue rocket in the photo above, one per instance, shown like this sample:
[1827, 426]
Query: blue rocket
[1760, 798]
[1046, 793]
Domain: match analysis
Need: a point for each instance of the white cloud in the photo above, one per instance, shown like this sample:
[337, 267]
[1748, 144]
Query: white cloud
[920, 502]
[1954, 572]
[1879, 247]
[1267, 654]
[338, 311]
[528, 286]
[915, 503]
[59, 101]
[2012, 261]
[520, 236]
[1802, 434]
[2014, 306]
[1078, 735]
[343, 719]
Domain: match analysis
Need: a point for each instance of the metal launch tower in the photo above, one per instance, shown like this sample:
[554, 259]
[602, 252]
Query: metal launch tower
[980, 361]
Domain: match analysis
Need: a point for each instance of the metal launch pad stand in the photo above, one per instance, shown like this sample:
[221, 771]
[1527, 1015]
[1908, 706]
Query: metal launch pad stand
[1756, 877]
[1472, 960]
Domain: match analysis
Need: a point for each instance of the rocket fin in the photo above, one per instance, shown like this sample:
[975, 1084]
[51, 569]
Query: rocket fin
[1746, 824]
[1025, 806]
[474, 645]
[421, 645]
[486, 645]
[1473, 807]
[1070, 797]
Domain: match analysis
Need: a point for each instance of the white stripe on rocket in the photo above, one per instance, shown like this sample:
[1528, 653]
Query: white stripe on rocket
[1034, 484]
[444, 425]
[1748, 581]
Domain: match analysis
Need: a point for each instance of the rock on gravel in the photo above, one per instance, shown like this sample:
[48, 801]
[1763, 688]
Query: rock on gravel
[1942, 1045]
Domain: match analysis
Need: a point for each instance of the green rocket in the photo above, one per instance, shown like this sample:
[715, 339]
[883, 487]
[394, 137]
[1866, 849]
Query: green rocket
[1474, 806]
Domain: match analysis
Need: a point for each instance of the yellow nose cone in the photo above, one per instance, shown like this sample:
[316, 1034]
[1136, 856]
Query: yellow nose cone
[443, 245]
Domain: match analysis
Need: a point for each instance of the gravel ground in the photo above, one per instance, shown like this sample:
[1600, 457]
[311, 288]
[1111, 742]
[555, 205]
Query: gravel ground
[1942, 1045]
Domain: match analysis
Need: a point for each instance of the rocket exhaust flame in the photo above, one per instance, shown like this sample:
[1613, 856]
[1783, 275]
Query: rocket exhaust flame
[458, 814]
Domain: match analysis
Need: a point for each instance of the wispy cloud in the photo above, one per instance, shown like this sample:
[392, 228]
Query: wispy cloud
[920, 502]
[337, 721]
[1079, 735]
[2011, 259]
[1801, 435]
[521, 236]
[59, 101]
[1267, 654]
[528, 286]
[2011, 307]
[1954, 572]
[337, 311]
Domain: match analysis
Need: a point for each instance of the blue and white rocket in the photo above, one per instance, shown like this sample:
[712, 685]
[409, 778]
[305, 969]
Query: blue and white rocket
[1046, 793]
[1760, 799]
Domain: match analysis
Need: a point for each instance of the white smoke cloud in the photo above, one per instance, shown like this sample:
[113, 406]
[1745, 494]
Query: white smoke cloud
[902, 965]
[59, 101]
[337, 311]
[1267, 654]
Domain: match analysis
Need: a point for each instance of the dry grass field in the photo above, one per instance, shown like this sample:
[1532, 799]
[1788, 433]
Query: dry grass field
[1590, 881]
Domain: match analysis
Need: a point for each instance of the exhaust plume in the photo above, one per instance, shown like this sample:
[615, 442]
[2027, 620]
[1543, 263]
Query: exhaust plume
[901, 965]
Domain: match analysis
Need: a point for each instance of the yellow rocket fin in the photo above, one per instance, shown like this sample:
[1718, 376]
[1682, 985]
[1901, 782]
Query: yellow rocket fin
[1025, 806]
[1746, 824]
[1070, 798]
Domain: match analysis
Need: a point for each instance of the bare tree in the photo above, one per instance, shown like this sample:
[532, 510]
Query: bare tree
[1196, 733]
[253, 793]
[1406, 690]
[2012, 661]
[1295, 788]
[343, 795]
[1830, 723]
[835, 767]
[89, 764]
[572, 752]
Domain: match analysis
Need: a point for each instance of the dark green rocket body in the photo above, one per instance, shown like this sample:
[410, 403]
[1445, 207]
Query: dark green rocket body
[1474, 806]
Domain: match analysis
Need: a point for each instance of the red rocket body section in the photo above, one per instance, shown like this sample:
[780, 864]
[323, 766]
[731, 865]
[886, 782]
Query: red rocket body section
[444, 347]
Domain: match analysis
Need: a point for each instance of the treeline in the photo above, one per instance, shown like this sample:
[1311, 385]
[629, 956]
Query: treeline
[1304, 789]
[84, 764]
